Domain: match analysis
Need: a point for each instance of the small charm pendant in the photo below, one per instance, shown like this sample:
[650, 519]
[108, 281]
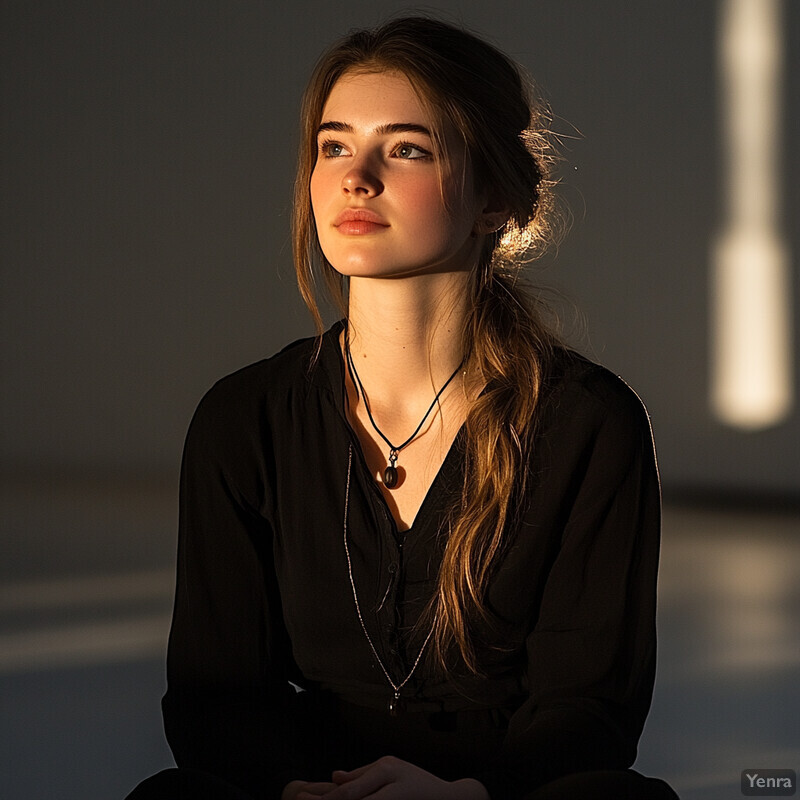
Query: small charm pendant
[390, 477]
[395, 705]
[390, 473]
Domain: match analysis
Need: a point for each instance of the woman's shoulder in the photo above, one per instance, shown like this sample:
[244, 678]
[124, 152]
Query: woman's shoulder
[289, 365]
[247, 395]
[582, 389]
[298, 365]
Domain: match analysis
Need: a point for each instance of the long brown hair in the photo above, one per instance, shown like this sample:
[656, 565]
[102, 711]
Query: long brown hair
[463, 80]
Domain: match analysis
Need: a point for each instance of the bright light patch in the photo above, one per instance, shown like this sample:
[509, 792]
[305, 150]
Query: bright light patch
[751, 315]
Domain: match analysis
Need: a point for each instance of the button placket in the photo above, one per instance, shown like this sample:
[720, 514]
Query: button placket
[391, 626]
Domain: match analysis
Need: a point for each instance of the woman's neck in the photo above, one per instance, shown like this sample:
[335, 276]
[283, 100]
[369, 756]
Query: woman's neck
[406, 336]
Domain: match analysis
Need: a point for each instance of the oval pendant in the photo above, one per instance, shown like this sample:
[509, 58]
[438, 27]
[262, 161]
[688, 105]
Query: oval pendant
[390, 477]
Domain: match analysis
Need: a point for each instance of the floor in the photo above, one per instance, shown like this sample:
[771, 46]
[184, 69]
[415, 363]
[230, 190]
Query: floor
[84, 617]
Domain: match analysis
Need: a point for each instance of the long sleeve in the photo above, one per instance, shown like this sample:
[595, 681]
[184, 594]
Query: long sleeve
[263, 595]
[228, 660]
[591, 651]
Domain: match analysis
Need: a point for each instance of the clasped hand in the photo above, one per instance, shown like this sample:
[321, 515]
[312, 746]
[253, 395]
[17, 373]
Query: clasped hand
[388, 778]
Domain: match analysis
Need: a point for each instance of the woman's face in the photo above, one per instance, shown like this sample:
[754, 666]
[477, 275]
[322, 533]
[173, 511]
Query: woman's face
[379, 207]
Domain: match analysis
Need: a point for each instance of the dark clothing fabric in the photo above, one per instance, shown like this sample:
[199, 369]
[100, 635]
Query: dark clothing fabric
[264, 594]
[605, 785]
[188, 784]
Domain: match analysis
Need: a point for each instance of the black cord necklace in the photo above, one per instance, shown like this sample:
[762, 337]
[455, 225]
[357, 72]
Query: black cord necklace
[390, 473]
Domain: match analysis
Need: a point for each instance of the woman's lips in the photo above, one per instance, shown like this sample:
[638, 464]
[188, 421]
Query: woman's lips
[358, 221]
[357, 227]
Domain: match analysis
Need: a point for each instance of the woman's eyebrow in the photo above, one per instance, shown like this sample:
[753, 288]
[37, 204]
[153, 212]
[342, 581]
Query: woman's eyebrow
[389, 127]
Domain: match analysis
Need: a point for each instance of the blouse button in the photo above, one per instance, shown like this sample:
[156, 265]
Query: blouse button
[393, 567]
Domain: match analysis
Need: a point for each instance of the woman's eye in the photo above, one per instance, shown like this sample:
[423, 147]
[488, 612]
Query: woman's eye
[410, 152]
[331, 149]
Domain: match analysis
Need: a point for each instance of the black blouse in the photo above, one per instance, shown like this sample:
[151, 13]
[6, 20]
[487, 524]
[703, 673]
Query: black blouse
[264, 594]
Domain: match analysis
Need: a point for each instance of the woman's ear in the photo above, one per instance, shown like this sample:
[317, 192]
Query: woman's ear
[490, 220]
[493, 214]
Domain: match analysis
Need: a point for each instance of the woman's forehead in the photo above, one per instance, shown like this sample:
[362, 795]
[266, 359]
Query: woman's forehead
[373, 96]
[376, 97]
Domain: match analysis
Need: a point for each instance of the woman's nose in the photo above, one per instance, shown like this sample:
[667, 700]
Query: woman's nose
[361, 180]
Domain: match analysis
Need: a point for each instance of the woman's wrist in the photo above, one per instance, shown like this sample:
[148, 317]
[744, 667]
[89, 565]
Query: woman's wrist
[469, 789]
[290, 790]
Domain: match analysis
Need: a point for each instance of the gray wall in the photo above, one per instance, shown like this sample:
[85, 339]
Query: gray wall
[147, 162]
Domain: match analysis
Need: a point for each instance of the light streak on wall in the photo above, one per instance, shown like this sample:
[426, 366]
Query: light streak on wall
[751, 381]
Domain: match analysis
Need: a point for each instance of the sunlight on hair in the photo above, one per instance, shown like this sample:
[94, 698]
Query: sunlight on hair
[516, 242]
[751, 385]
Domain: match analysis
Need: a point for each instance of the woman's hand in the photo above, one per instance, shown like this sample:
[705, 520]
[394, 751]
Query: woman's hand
[390, 778]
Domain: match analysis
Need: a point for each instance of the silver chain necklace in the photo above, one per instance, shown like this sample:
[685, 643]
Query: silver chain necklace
[394, 703]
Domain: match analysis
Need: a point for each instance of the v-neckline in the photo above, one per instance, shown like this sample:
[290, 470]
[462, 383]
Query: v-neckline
[433, 487]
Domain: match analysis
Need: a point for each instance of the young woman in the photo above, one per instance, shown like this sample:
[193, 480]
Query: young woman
[417, 553]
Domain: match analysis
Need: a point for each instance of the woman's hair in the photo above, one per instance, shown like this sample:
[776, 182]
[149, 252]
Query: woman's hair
[464, 81]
